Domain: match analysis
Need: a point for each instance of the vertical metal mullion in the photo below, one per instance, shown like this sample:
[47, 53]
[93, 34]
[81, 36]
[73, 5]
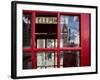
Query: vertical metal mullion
[54, 53]
[34, 59]
[45, 52]
[58, 47]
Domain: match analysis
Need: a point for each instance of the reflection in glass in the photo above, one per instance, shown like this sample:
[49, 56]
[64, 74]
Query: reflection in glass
[69, 27]
[46, 43]
[26, 30]
[70, 59]
[27, 60]
[50, 43]
[40, 43]
[46, 59]
[46, 33]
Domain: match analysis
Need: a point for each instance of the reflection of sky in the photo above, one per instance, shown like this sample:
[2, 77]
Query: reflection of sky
[73, 25]
[73, 22]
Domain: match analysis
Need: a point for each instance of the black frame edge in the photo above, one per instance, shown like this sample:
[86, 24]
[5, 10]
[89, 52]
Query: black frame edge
[56, 75]
[13, 40]
[54, 4]
[14, 32]
[96, 40]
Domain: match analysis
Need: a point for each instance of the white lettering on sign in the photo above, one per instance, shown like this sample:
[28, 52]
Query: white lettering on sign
[46, 20]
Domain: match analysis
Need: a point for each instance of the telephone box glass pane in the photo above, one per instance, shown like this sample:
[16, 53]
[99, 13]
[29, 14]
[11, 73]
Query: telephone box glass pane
[46, 59]
[70, 58]
[46, 31]
[46, 43]
[27, 60]
[26, 30]
[69, 31]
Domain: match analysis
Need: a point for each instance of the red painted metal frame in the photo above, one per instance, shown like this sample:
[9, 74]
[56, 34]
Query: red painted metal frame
[84, 47]
[71, 48]
[85, 40]
[45, 49]
[27, 49]
[58, 47]
[34, 60]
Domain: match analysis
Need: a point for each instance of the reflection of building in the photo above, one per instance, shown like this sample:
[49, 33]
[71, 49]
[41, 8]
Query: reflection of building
[65, 35]
[70, 58]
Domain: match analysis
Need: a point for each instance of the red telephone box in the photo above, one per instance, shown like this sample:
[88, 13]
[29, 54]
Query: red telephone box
[55, 39]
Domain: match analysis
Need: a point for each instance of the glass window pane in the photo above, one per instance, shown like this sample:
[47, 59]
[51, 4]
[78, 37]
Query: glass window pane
[46, 33]
[46, 43]
[70, 34]
[69, 58]
[51, 43]
[27, 60]
[26, 30]
[46, 59]
[40, 43]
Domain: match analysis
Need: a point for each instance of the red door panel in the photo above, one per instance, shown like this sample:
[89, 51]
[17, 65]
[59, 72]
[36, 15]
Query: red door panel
[85, 40]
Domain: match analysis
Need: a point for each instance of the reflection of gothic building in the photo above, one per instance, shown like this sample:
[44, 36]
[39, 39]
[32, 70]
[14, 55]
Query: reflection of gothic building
[69, 57]
[65, 35]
